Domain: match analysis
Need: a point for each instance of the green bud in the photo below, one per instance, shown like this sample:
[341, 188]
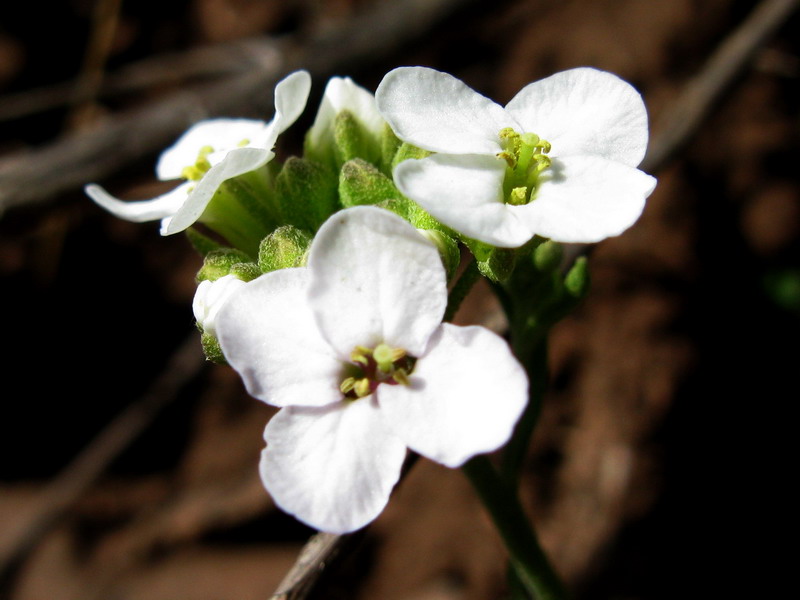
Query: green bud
[414, 214]
[353, 140]
[448, 250]
[547, 256]
[362, 183]
[246, 271]
[307, 193]
[284, 248]
[218, 263]
[406, 151]
[212, 349]
[576, 283]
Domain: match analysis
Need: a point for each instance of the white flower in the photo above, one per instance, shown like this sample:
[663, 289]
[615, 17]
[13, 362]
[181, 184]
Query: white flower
[208, 154]
[209, 298]
[352, 346]
[558, 161]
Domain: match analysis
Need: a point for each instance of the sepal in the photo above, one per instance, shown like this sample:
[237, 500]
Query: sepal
[211, 349]
[284, 248]
[353, 140]
[307, 192]
[220, 262]
[361, 182]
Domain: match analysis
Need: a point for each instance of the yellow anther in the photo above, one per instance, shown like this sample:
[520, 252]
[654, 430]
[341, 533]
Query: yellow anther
[518, 196]
[510, 159]
[361, 388]
[347, 385]
[243, 143]
[401, 377]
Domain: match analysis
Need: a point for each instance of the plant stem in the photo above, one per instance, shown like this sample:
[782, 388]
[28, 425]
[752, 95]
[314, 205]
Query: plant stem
[461, 288]
[526, 556]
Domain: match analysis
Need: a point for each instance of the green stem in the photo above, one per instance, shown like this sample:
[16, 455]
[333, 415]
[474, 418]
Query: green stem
[461, 288]
[534, 357]
[526, 556]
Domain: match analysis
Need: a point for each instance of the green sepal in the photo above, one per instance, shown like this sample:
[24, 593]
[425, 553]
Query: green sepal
[284, 248]
[352, 140]
[201, 242]
[390, 143]
[212, 349]
[361, 182]
[219, 263]
[406, 151]
[246, 271]
[414, 214]
[448, 249]
[498, 265]
[307, 192]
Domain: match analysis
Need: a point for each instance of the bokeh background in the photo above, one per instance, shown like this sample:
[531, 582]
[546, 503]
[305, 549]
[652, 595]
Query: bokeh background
[658, 468]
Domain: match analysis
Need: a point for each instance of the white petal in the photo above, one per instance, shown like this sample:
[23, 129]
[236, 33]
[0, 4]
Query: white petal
[585, 111]
[342, 93]
[464, 398]
[332, 467]
[237, 162]
[222, 135]
[209, 298]
[267, 333]
[142, 210]
[375, 279]
[291, 95]
[586, 200]
[464, 192]
[436, 111]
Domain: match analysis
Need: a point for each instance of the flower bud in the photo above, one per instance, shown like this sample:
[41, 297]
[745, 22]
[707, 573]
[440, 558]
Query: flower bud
[283, 248]
[362, 183]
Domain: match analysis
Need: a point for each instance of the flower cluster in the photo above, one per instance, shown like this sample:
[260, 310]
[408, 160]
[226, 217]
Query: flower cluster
[325, 277]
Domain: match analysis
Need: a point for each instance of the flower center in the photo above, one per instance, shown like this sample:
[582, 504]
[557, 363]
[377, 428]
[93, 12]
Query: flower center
[374, 366]
[526, 157]
[200, 167]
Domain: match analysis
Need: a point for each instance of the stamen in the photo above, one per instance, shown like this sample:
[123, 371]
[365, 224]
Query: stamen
[525, 157]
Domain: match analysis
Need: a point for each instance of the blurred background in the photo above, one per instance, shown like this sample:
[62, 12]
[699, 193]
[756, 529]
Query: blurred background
[128, 467]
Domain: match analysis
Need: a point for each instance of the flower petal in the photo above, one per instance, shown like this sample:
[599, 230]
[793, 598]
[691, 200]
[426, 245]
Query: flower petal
[464, 398]
[141, 210]
[587, 199]
[220, 134]
[464, 192]
[267, 333]
[237, 162]
[209, 298]
[333, 467]
[291, 95]
[436, 111]
[375, 279]
[585, 111]
[342, 93]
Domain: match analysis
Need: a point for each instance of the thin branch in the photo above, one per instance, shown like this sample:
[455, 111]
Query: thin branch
[66, 164]
[61, 493]
[702, 92]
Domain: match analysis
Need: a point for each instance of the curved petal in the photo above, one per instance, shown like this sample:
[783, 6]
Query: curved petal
[375, 279]
[464, 398]
[436, 111]
[267, 333]
[333, 467]
[585, 111]
[291, 95]
[587, 199]
[140, 211]
[209, 299]
[464, 192]
[342, 93]
[237, 162]
[220, 134]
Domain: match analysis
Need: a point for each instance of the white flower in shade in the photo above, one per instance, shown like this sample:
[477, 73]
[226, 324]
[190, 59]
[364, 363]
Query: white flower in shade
[209, 298]
[207, 155]
[352, 346]
[558, 161]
